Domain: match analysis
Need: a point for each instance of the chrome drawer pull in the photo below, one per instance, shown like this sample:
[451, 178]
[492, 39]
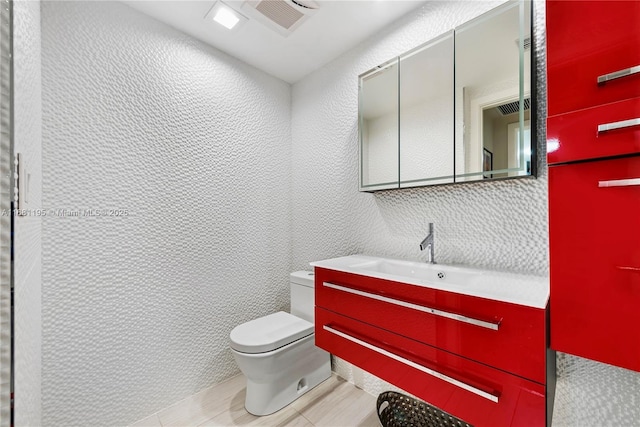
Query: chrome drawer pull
[408, 362]
[424, 309]
[618, 125]
[617, 74]
[619, 183]
[634, 269]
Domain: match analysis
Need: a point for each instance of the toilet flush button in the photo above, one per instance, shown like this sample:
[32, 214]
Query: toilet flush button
[302, 386]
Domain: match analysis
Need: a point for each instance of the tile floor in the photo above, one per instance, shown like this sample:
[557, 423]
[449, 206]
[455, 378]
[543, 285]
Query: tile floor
[334, 403]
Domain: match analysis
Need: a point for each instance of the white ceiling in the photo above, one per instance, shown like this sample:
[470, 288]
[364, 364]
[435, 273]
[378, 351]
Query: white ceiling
[336, 27]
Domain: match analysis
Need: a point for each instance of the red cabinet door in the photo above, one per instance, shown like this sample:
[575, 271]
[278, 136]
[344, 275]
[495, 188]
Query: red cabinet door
[594, 224]
[474, 392]
[602, 131]
[477, 328]
[587, 40]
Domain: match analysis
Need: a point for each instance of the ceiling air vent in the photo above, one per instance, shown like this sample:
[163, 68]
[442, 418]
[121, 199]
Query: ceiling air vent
[282, 16]
[513, 107]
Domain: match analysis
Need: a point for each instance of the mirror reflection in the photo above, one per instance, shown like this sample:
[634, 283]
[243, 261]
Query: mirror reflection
[493, 86]
[426, 114]
[378, 95]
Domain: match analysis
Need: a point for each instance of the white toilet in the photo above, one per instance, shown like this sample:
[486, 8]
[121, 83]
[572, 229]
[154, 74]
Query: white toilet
[277, 353]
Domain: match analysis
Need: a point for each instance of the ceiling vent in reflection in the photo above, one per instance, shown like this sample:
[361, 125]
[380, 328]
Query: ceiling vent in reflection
[513, 107]
[282, 16]
[527, 43]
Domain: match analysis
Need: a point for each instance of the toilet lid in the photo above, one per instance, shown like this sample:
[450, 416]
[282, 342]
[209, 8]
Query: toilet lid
[269, 332]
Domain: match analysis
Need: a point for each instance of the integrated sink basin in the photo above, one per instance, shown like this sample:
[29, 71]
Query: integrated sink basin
[515, 288]
[421, 271]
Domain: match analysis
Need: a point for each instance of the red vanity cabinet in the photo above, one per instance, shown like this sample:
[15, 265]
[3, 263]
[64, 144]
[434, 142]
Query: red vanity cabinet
[474, 392]
[593, 144]
[478, 328]
[481, 360]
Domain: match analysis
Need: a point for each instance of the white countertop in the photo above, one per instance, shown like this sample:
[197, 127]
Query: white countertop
[523, 289]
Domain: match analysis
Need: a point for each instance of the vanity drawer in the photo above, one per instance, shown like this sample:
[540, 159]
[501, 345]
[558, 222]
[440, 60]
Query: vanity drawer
[588, 40]
[507, 336]
[476, 393]
[580, 135]
[594, 224]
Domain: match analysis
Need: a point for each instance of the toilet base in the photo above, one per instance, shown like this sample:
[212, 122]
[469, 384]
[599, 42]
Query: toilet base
[305, 366]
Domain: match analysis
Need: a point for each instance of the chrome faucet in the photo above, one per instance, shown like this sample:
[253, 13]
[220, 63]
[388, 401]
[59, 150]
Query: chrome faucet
[427, 243]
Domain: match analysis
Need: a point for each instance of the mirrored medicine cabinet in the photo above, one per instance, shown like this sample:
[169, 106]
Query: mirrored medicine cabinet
[458, 108]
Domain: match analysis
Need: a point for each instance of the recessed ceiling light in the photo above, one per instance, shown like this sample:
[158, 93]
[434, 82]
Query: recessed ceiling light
[226, 18]
[225, 15]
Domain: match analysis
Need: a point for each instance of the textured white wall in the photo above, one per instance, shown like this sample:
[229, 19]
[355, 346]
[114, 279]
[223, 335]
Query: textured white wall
[27, 229]
[492, 224]
[195, 144]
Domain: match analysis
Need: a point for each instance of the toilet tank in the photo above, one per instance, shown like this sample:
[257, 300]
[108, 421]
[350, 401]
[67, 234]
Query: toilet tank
[302, 296]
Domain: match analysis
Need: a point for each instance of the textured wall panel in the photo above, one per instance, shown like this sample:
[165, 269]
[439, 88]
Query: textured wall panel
[195, 146]
[595, 394]
[6, 229]
[499, 225]
[27, 229]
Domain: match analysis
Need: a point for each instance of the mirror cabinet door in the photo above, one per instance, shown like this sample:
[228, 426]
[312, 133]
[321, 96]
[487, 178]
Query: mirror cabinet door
[422, 123]
[492, 95]
[426, 114]
[378, 127]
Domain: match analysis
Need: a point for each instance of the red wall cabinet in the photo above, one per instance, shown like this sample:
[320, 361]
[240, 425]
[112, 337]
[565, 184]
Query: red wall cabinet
[588, 40]
[486, 364]
[593, 141]
[595, 250]
[575, 135]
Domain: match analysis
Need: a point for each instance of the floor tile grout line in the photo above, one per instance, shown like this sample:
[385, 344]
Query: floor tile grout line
[192, 397]
[302, 415]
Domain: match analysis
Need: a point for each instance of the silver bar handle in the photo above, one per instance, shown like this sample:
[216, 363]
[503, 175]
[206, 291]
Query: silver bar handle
[625, 268]
[417, 366]
[619, 183]
[618, 74]
[618, 125]
[422, 308]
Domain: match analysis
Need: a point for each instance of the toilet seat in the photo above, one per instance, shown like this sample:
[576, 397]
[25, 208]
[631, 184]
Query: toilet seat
[269, 333]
